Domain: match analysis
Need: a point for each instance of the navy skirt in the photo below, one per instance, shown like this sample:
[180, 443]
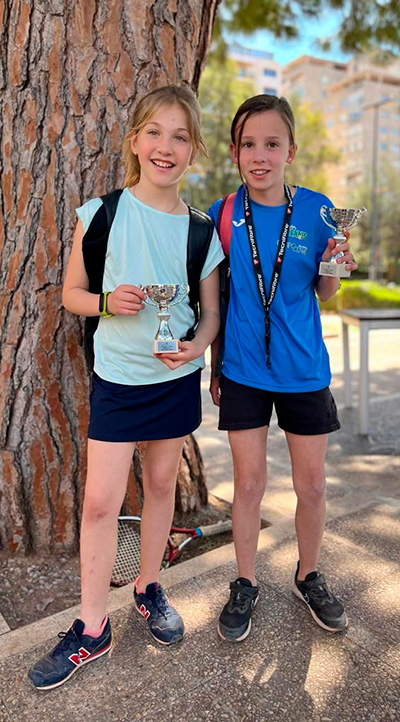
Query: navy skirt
[148, 412]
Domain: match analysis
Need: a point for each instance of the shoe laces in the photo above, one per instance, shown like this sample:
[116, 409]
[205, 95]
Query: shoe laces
[159, 601]
[66, 639]
[321, 592]
[238, 601]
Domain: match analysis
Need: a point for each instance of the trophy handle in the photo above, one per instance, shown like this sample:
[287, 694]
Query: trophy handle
[182, 292]
[323, 213]
[147, 300]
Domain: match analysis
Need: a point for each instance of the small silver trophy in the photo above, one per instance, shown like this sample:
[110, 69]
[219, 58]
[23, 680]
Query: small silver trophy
[343, 219]
[165, 295]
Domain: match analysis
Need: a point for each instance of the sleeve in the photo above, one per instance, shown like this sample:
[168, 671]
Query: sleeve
[214, 256]
[86, 212]
[324, 232]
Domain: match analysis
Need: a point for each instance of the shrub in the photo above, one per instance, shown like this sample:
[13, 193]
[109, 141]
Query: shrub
[363, 294]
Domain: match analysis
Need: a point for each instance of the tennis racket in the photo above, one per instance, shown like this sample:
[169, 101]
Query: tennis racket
[127, 562]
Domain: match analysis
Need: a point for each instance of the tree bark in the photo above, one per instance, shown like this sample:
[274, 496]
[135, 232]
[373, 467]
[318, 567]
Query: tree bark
[70, 72]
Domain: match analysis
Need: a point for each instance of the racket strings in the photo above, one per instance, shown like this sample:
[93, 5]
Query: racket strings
[127, 562]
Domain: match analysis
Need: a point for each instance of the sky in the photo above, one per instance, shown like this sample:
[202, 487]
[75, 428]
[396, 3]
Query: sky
[310, 30]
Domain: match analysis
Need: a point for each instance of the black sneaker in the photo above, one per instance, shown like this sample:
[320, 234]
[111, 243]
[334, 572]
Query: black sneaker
[234, 623]
[164, 622]
[72, 651]
[325, 609]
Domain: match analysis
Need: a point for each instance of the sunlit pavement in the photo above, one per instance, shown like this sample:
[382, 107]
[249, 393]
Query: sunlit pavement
[288, 670]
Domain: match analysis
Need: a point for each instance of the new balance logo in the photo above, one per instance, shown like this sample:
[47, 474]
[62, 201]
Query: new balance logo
[77, 659]
[144, 612]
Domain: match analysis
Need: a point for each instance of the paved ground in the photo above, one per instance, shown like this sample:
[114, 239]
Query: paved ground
[288, 670]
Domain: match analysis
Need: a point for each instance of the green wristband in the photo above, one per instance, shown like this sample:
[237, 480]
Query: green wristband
[103, 305]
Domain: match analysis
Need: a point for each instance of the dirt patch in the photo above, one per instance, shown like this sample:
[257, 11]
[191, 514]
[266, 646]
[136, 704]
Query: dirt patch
[35, 587]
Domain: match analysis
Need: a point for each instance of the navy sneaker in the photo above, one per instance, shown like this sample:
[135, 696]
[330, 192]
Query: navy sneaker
[72, 651]
[234, 623]
[326, 610]
[164, 622]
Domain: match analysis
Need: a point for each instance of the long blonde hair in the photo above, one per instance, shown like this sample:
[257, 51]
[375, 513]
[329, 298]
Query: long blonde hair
[145, 109]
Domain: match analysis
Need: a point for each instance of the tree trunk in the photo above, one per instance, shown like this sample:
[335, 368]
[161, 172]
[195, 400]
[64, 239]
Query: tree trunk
[70, 71]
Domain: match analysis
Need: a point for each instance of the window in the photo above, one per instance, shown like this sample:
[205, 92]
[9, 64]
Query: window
[271, 73]
[354, 116]
[383, 146]
[242, 73]
[356, 98]
[383, 129]
[269, 91]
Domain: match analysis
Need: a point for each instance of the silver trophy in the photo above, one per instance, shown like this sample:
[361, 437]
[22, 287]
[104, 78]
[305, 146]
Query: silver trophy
[165, 295]
[342, 219]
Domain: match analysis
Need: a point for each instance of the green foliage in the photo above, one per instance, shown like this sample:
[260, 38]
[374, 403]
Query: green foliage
[366, 23]
[220, 94]
[363, 294]
[313, 148]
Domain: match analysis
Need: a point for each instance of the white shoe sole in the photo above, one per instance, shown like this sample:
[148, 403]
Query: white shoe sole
[299, 595]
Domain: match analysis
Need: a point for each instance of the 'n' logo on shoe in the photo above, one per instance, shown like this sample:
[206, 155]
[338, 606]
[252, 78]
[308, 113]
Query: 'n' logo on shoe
[144, 612]
[79, 657]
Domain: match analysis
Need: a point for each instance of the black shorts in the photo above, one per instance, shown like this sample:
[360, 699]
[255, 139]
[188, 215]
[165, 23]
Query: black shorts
[307, 413]
[148, 412]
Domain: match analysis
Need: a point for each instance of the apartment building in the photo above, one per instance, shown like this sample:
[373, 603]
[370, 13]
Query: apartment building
[258, 66]
[346, 94]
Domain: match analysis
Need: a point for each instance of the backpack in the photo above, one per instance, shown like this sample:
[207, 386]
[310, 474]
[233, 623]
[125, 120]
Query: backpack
[94, 249]
[224, 228]
[224, 222]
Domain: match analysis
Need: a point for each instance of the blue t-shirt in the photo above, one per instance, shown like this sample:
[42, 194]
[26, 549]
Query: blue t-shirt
[299, 357]
[145, 246]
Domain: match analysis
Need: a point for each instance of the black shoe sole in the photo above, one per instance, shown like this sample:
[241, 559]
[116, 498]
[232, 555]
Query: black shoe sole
[316, 619]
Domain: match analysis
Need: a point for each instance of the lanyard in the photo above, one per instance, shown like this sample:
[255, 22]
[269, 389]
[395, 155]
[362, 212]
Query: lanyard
[267, 300]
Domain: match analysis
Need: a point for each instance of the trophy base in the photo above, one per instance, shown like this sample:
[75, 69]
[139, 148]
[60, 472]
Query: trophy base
[169, 345]
[337, 270]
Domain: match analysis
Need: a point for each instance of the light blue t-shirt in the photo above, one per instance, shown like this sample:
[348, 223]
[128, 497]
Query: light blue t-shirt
[145, 246]
[299, 357]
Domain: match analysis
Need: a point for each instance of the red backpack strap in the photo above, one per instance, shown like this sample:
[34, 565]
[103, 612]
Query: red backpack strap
[224, 221]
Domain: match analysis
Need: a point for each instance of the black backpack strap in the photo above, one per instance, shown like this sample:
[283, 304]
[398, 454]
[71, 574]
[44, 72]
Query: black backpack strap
[201, 229]
[95, 240]
[94, 249]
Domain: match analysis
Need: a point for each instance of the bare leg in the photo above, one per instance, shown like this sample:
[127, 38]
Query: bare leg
[108, 468]
[308, 468]
[160, 467]
[250, 476]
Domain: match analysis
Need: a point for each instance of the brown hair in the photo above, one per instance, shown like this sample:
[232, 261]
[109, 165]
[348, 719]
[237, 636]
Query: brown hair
[259, 104]
[145, 109]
